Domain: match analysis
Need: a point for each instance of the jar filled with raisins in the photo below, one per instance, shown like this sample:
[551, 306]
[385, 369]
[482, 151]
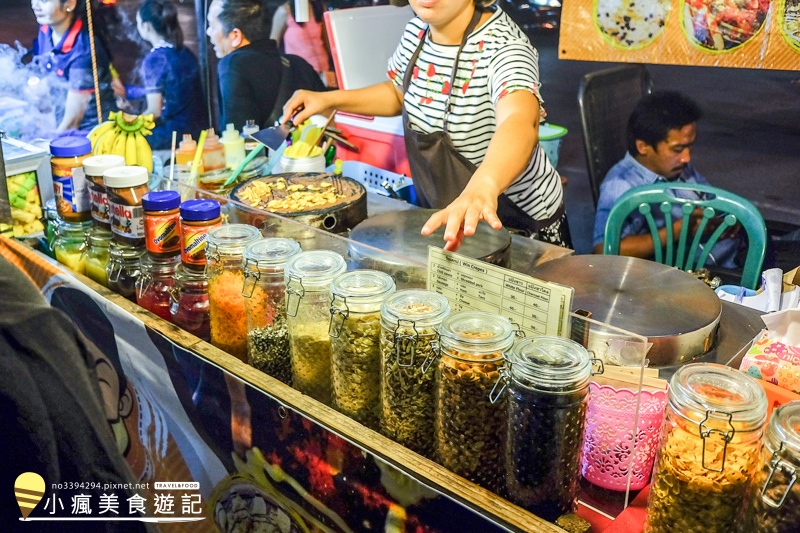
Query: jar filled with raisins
[708, 451]
[468, 427]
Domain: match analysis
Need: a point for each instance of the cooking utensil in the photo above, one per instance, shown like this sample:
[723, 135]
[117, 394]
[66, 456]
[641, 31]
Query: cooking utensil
[275, 136]
[340, 139]
[314, 138]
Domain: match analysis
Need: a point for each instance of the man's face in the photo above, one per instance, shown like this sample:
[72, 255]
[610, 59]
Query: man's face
[219, 38]
[671, 155]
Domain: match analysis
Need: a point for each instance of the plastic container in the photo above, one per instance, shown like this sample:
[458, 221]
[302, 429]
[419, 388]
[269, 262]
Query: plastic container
[303, 164]
[213, 152]
[233, 145]
[69, 245]
[185, 153]
[155, 284]
[95, 167]
[190, 309]
[71, 189]
[97, 243]
[409, 320]
[547, 392]
[225, 272]
[125, 187]
[265, 304]
[309, 276]
[51, 223]
[709, 450]
[162, 223]
[550, 137]
[198, 217]
[355, 329]
[469, 428]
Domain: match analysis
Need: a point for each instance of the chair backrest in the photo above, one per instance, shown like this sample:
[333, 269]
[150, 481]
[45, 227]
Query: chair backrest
[683, 251]
[606, 99]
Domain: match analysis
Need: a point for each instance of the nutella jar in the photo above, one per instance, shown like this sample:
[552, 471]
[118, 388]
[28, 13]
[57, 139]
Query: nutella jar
[125, 187]
[94, 167]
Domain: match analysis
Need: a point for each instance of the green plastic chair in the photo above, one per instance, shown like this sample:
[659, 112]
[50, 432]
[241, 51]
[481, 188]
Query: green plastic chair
[682, 254]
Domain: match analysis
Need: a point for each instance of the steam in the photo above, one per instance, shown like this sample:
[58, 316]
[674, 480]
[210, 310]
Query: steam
[28, 105]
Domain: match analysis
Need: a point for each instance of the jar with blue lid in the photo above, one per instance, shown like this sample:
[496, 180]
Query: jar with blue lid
[71, 189]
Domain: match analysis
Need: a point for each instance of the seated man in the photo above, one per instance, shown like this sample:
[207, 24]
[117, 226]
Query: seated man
[252, 74]
[661, 133]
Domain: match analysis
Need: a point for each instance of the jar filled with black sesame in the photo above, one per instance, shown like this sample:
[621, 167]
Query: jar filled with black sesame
[546, 393]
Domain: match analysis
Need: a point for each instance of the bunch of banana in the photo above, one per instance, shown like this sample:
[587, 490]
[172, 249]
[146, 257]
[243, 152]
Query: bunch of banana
[124, 135]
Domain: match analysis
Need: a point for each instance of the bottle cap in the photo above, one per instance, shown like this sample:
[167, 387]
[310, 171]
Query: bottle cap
[98, 164]
[211, 139]
[120, 177]
[70, 146]
[230, 133]
[187, 144]
[161, 200]
[197, 210]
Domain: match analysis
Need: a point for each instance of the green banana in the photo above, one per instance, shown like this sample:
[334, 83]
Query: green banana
[98, 131]
[136, 125]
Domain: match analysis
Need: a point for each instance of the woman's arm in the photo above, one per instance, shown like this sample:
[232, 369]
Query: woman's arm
[509, 152]
[74, 109]
[382, 100]
[155, 104]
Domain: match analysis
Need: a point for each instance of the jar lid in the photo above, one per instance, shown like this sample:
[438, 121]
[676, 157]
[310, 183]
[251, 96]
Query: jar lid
[231, 239]
[118, 251]
[784, 428]
[98, 164]
[98, 236]
[184, 274]
[315, 267]
[551, 363]
[478, 332]
[363, 286]
[160, 265]
[161, 200]
[703, 390]
[80, 227]
[423, 308]
[271, 254]
[120, 177]
[70, 146]
[50, 209]
[199, 210]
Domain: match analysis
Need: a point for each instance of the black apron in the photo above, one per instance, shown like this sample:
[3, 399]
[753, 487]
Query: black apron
[440, 172]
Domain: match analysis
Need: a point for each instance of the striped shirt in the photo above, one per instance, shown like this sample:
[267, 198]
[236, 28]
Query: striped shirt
[497, 59]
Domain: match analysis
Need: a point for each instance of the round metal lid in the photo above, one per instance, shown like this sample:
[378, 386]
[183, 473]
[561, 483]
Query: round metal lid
[399, 232]
[677, 312]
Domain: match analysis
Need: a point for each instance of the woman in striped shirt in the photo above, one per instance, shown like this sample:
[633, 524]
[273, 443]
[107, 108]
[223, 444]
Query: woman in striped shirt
[466, 79]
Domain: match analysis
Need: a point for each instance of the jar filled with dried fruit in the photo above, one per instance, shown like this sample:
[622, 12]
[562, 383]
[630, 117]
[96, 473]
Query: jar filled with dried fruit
[469, 427]
[265, 304]
[355, 330]
[409, 343]
[776, 493]
[69, 244]
[190, 308]
[154, 286]
[547, 393]
[708, 451]
[225, 247]
[308, 277]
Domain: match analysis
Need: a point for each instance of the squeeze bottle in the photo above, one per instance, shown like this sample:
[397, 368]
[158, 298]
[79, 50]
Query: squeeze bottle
[233, 145]
[185, 154]
[249, 128]
[213, 153]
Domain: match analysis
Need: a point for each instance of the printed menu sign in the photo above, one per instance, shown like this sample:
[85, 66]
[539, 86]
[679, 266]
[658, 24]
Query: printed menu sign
[537, 307]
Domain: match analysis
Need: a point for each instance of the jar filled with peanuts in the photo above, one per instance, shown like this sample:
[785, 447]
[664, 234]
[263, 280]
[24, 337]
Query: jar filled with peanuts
[356, 298]
[708, 451]
[469, 428]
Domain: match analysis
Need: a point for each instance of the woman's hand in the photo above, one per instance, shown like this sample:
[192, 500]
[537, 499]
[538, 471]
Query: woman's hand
[303, 104]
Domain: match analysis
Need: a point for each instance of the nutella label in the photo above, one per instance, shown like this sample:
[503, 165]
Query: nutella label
[71, 190]
[100, 209]
[127, 220]
[162, 233]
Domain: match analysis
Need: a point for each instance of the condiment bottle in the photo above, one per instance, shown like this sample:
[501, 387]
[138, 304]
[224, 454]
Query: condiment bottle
[125, 187]
[190, 308]
[355, 329]
[775, 496]
[162, 230]
[69, 182]
[69, 245]
[265, 303]
[708, 451]
[155, 283]
[224, 269]
[213, 152]
[94, 167]
[185, 153]
[308, 281]
[233, 145]
[409, 339]
[247, 130]
[124, 268]
[97, 242]
[546, 385]
[198, 217]
[469, 427]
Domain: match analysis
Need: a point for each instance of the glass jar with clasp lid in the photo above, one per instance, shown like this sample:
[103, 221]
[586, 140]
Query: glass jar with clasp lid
[265, 303]
[155, 283]
[124, 268]
[98, 240]
[190, 308]
[309, 276]
[708, 451]
[409, 343]
[355, 327]
[69, 244]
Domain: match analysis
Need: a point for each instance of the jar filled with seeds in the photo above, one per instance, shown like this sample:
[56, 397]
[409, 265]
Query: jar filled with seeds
[776, 493]
[708, 451]
[308, 277]
[225, 272]
[469, 428]
[547, 393]
[265, 303]
[355, 330]
[408, 343]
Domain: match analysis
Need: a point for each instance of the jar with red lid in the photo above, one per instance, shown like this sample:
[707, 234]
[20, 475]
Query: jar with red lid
[190, 306]
[197, 217]
[125, 187]
[94, 167]
[69, 182]
[162, 223]
[155, 283]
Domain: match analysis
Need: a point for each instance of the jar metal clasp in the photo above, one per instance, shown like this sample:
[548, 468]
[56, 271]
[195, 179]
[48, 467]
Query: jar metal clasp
[251, 278]
[210, 255]
[597, 363]
[435, 352]
[338, 316]
[777, 464]
[145, 280]
[114, 270]
[505, 373]
[295, 292]
[727, 436]
[412, 339]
